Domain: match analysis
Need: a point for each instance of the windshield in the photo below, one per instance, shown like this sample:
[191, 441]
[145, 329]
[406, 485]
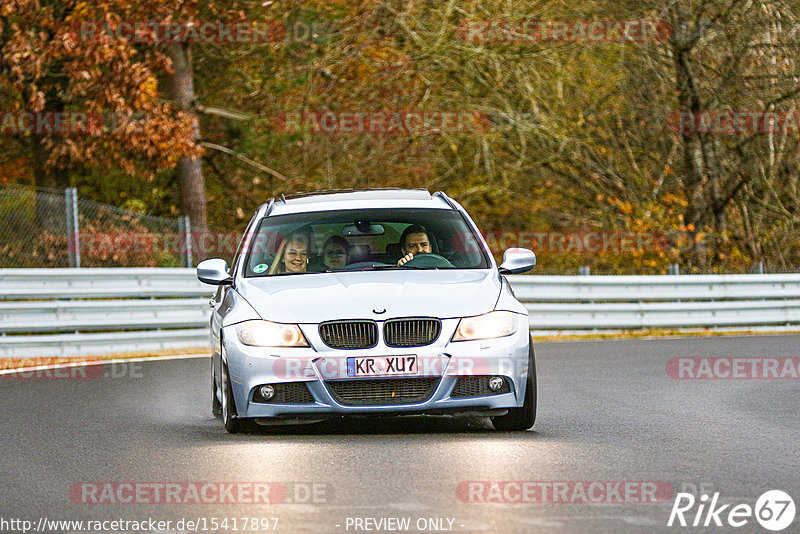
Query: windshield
[363, 240]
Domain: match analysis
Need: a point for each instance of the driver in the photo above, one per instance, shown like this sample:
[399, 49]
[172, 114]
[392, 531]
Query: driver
[414, 240]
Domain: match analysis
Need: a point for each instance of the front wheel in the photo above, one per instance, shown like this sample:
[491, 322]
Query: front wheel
[524, 417]
[230, 419]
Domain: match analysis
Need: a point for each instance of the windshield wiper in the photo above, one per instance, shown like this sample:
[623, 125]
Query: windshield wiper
[389, 267]
[378, 267]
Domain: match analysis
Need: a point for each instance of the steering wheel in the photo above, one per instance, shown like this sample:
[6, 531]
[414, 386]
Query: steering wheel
[430, 260]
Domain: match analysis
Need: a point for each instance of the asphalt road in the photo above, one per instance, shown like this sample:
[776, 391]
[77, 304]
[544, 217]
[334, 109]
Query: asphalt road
[608, 412]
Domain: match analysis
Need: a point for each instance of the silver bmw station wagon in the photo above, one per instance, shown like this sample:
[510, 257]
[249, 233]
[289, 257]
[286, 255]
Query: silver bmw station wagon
[374, 302]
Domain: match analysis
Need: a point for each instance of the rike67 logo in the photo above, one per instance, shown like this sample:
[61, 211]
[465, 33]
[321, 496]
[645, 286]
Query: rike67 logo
[774, 510]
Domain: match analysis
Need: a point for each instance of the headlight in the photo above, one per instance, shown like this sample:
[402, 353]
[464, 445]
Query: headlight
[269, 334]
[487, 326]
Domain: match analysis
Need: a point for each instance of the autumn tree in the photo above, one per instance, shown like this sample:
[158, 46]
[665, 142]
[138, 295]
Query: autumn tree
[48, 66]
[577, 135]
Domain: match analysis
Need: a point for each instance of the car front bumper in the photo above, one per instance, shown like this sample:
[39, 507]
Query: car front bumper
[318, 366]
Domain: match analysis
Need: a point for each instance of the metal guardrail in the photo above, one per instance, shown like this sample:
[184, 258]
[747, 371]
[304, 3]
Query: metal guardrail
[64, 345]
[631, 302]
[75, 312]
[57, 316]
[656, 288]
[70, 312]
[32, 284]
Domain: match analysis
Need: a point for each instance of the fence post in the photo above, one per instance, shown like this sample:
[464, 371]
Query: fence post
[73, 230]
[187, 241]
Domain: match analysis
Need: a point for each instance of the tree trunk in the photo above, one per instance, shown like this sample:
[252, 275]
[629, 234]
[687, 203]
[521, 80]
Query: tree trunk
[50, 208]
[189, 169]
[693, 157]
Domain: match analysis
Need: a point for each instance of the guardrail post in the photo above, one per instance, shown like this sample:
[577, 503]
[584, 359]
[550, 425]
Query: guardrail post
[186, 229]
[584, 271]
[674, 269]
[73, 231]
[758, 268]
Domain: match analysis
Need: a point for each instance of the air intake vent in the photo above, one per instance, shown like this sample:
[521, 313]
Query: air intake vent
[476, 386]
[382, 392]
[349, 334]
[415, 332]
[287, 393]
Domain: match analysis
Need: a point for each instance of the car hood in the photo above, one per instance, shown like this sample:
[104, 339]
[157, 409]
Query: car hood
[318, 297]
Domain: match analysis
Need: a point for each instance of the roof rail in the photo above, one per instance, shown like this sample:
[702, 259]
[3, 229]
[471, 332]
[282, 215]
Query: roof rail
[302, 194]
[269, 206]
[447, 199]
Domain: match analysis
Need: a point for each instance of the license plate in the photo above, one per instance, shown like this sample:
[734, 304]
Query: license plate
[382, 366]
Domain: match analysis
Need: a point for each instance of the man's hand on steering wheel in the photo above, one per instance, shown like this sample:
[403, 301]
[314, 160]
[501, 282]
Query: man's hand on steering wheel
[405, 259]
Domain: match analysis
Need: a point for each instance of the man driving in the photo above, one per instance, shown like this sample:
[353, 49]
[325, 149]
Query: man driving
[414, 240]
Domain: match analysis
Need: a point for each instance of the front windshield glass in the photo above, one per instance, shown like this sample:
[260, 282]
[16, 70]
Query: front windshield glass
[363, 240]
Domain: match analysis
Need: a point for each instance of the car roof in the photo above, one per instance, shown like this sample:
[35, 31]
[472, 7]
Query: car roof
[355, 199]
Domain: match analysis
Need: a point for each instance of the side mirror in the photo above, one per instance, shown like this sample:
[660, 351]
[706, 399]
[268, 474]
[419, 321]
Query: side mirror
[517, 261]
[214, 272]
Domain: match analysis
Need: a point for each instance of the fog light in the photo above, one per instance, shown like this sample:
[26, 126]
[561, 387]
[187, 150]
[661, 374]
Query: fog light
[496, 382]
[266, 392]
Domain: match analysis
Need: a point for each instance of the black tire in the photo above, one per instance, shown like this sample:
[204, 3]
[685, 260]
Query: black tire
[522, 418]
[233, 424]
